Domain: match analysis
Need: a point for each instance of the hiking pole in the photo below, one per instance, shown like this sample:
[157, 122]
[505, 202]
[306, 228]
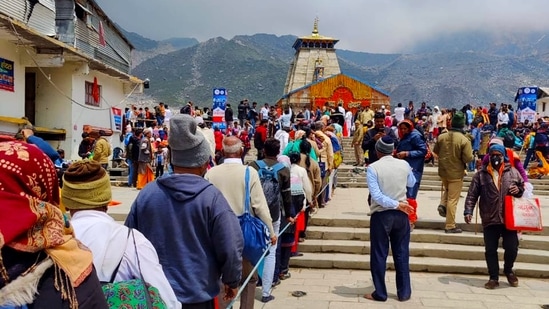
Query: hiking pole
[476, 217]
[257, 265]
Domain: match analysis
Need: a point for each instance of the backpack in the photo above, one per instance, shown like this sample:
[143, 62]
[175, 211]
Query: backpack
[509, 139]
[268, 175]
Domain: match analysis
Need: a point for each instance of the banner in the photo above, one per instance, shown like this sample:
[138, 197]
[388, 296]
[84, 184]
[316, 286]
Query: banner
[218, 110]
[116, 119]
[526, 99]
[7, 81]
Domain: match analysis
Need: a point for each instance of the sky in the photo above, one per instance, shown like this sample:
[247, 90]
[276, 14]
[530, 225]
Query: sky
[378, 26]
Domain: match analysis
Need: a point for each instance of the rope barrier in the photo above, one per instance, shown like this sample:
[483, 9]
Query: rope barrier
[259, 262]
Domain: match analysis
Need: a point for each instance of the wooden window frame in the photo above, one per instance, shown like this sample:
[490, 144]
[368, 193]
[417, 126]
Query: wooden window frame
[88, 95]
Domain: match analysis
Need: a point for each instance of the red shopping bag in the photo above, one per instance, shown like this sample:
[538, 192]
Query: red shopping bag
[412, 216]
[522, 214]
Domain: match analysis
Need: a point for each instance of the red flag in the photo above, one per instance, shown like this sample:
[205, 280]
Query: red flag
[95, 90]
[102, 41]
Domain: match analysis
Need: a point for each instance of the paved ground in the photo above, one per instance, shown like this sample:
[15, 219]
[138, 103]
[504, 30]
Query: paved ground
[344, 288]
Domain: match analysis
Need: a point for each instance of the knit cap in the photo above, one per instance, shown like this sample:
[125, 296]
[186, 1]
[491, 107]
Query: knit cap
[385, 145]
[188, 147]
[458, 121]
[86, 185]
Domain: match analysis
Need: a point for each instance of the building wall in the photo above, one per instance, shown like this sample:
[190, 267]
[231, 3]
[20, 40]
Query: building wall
[303, 68]
[12, 104]
[41, 18]
[112, 95]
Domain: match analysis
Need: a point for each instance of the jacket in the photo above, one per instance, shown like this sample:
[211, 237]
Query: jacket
[454, 151]
[46, 295]
[195, 233]
[313, 172]
[414, 144]
[358, 136]
[369, 142]
[102, 151]
[491, 204]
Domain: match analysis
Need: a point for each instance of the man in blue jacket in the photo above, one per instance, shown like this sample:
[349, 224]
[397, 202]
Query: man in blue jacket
[190, 223]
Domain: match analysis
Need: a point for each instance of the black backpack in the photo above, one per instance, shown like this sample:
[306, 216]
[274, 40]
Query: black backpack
[509, 139]
[268, 175]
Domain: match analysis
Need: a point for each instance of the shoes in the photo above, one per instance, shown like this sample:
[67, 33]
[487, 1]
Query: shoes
[491, 284]
[301, 239]
[442, 211]
[455, 230]
[285, 276]
[512, 279]
[277, 282]
[266, 299]
[297, 253]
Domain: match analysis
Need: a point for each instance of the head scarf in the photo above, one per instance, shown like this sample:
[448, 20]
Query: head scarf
[408, 123]
[31, 221]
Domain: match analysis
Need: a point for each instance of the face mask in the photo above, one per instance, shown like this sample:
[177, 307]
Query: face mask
[496, 161]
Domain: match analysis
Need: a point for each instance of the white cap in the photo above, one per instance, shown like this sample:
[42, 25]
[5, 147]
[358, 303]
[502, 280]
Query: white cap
[158, 140]
[382, 106]
[199, 120]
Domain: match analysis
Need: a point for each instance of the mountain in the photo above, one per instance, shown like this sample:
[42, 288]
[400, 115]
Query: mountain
[146, 48]
[472, 68]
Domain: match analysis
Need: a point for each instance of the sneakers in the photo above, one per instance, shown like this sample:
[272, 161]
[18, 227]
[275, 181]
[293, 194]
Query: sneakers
[512, 279]
[284, 276]
[491, 284]
[442, 211]
[266, 299]
[455, 230]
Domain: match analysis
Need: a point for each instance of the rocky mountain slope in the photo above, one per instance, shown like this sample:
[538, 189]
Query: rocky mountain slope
[443, 71]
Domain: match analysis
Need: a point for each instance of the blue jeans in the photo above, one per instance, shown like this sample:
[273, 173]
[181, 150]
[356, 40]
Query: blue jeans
[529, 154]
[269, 265]
[390, 226]
[132, 173]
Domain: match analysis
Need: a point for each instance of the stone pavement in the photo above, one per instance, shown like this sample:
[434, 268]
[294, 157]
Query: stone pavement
[335, 288]
[343, 289]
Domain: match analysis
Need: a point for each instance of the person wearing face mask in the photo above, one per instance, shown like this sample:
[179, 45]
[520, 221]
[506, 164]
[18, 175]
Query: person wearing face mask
[491, 184]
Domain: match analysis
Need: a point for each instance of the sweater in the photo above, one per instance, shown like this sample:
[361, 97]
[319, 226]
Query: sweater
[454, 151]
[195, 233]
[102, 151]
[300, 183]
[229, 178]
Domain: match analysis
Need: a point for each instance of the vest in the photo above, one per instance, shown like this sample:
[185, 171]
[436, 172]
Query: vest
[392, 175]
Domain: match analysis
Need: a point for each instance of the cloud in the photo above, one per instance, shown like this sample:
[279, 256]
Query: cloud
[361, 25]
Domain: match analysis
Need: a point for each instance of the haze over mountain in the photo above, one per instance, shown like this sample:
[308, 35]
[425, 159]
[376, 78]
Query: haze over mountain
[466, 67]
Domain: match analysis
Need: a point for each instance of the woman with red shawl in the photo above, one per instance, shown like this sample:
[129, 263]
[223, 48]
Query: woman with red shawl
[41, 263]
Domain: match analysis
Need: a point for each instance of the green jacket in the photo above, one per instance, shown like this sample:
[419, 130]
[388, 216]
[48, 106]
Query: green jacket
[454, 151]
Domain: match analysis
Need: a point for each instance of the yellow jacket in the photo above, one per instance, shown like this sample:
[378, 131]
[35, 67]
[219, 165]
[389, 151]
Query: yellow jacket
[102, 151]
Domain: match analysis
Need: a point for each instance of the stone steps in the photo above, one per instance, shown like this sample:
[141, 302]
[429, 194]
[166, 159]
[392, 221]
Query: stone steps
[419, 249]
[417, 264]
[344, 243]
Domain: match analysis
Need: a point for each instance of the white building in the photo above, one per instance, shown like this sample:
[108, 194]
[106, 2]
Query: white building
[64, 66]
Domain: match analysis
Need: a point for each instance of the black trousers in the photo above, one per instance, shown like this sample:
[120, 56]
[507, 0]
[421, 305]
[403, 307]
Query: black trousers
[492, 234]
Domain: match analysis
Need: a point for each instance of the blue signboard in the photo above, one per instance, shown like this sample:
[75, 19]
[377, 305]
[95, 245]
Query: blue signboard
[526, 99]
[218, 110]
[7, 81]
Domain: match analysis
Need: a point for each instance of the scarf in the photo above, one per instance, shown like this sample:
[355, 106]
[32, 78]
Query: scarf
[31, 221]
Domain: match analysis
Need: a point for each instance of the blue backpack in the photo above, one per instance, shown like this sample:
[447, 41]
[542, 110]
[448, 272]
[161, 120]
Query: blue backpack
[271, 186]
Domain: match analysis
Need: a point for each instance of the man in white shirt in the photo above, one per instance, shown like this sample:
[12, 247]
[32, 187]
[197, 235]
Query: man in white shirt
[503, 117]
[399, 112]
[229, 178]
[283, 136]
[117, 250]
[168, 114]
[264, 112]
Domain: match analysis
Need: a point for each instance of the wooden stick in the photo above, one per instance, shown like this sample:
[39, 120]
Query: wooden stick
[476, 218]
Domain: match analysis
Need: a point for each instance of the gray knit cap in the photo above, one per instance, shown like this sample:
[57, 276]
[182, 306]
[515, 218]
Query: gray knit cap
[385, 145]
[188, 147]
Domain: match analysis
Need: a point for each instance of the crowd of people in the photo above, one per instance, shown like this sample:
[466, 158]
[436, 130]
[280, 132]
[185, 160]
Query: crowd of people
[190, 246]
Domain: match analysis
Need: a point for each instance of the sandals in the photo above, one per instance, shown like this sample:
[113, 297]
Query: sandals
[298, 293]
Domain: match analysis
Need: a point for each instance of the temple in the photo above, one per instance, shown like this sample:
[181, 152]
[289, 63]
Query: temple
[315, 78]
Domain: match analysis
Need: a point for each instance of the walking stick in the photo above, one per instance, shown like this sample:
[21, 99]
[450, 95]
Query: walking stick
[476, 218]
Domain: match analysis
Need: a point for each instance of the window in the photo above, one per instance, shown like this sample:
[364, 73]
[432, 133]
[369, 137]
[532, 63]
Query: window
[89, 99]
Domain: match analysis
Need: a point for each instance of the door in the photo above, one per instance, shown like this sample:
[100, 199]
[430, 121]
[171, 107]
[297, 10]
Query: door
[30, 96]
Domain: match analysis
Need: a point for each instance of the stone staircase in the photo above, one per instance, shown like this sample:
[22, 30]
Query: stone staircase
[344, 243]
